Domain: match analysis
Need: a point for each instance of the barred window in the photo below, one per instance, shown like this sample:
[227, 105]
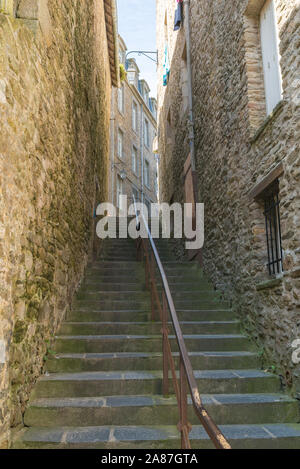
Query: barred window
[273, 229]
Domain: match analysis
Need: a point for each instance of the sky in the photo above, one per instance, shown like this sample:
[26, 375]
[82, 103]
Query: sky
[137, 26]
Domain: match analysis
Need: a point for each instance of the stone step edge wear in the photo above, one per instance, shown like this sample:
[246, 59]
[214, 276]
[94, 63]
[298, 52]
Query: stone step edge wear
[112, 434]
[158, 400]
[149, 337]
[156, 354]
[155, 374]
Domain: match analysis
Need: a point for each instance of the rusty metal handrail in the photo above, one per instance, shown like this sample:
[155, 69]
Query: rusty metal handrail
[186, 374]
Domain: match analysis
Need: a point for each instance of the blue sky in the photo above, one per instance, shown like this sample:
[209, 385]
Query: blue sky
[137, 26]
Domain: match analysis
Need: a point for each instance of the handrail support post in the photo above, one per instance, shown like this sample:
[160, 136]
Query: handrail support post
[165, 346]
[184, 425]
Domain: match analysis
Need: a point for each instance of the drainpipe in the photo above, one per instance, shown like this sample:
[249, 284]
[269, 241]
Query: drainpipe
[142, 151]
[190, 84]
[112, 140]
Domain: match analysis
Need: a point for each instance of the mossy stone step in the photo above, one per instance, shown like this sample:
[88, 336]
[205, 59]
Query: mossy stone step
[157, 410]
[130, 303]
[90, 384]
[149, 343]
[85, 313]
[262, 436]
[134, 361]
[188, 327]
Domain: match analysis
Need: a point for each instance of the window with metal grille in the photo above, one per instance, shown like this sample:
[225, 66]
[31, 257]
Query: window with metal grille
[273, 229]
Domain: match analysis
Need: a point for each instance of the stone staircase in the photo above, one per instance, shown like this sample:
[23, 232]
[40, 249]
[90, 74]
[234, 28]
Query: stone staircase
[102, 388]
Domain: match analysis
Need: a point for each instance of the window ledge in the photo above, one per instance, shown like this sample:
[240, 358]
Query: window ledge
[260, 187]
[268, 284]
[267, 121]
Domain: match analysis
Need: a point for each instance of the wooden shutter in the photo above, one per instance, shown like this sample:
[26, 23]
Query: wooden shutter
[270, 55]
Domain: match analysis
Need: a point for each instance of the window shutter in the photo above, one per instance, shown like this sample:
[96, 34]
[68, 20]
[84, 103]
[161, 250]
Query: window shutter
[270, 55]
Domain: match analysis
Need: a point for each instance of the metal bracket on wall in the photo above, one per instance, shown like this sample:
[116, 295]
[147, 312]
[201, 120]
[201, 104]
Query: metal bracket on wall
[145, 53]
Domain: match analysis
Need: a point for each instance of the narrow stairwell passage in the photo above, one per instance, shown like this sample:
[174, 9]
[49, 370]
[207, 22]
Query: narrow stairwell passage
[103, 387]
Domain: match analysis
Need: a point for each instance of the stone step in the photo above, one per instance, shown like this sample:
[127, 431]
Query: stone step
[142, 315]
[90, 384]
[112, 304]
[116, 277]
[132, 361]
[169, 267]
[110, 249]
[136, 328]
[116, 265]
[118, 255]
[148, 343]
[131, 303]
[111, 284]
[94, 286]
[262, 436]
[86, 294]
[118, 258]
[95, 295]
[156, 410]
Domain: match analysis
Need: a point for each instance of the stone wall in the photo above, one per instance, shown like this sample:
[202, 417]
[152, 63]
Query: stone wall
[236, 147]
[54, 147]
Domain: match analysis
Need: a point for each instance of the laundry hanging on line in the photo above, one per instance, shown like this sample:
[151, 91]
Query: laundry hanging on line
[178, 16]
[166, 66]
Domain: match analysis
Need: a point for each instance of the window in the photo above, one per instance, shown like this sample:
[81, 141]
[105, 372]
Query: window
[120, 144]
[270, 56]
[119, 190]
[156, 184]
[134, 160]
[147, 173]
[136, 194]
[146, 98]
[147, 134]
[6, 6]
[264, 88]
[122, 57]
[121, 99]
[273, 229]
[134, 116]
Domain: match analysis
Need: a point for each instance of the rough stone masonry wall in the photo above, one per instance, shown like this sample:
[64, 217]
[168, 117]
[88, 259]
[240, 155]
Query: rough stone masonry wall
[232, 156]
[54, 119]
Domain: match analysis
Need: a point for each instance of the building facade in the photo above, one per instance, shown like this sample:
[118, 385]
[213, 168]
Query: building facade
[245, 116]
[58, 62]
[134, 166]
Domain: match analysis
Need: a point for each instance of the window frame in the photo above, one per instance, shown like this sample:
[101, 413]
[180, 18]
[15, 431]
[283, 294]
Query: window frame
[147, 174]
[7, 7]
[121, 92]
[119, 189]
[147, 133]
[134, 122]
[120, 134]
[134, 153]
[273, 229]
[271, 102]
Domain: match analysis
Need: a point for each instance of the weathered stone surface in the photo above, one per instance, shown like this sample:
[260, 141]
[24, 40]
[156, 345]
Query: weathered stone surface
[54, 119]
[233, 154]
